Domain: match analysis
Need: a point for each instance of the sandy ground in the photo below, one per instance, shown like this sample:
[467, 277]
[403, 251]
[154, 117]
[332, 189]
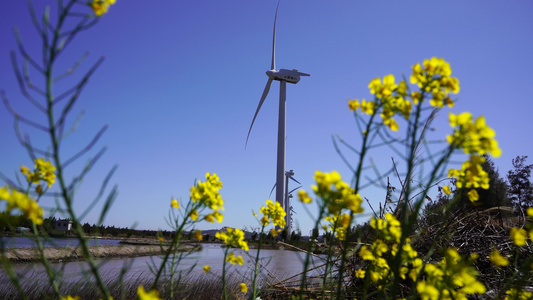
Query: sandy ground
[55, 254]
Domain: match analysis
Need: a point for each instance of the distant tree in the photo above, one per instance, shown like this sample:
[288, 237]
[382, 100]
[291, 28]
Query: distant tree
[520, 187]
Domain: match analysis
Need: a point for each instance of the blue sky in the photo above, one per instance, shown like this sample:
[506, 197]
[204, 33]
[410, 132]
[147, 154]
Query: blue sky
[181, 81]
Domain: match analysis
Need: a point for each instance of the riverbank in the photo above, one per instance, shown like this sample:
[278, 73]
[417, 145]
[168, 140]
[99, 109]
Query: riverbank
[63, 254]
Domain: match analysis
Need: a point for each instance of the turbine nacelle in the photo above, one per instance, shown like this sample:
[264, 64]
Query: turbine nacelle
[291, 76]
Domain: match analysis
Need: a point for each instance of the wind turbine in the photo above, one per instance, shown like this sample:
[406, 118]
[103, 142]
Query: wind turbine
[283, 76]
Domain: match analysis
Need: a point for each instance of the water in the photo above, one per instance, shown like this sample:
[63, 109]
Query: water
[275, 265]
[8, 242]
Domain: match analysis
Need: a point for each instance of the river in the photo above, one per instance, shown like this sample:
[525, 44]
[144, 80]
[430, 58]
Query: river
[275, 264]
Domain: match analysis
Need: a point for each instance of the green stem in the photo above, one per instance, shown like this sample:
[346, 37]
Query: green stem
[49, 271]
[322, 210]
[52, 54]
[224, 294]
[254, 283]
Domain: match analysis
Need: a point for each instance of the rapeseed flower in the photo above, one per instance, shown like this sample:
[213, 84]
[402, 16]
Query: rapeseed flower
[497, 259]
[304, 197]
[22, 202]
[233, 237]
[518, 294]
[101, 7]
[207, 268]
[472, 136]
[44, 170]
[231, 258]
[144, 295]
[198, 235]
[353, 104]
[244, 288]
[518, 235]
[273, 211]
[174, 203]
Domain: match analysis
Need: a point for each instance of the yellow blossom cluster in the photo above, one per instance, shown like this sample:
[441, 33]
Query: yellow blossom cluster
[497, 259]
[434, 76]
[206, 194]
[452, 278]
[471, 175]
[335, 193]
[384, 248]
[514, 294]
[144, 295]
[472, 136]
[44, 170]
[22, 202]
[390, 98]
[390, 228]
[338, 224]
[233, 237]
[519, 235]
[231, 258]
[101, 7]
[273, 212]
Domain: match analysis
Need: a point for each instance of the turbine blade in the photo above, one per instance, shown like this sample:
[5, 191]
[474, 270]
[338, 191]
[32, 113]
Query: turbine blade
[265, 93]
[294, 189]
[292, 178]
[273, 65]
[272, 190]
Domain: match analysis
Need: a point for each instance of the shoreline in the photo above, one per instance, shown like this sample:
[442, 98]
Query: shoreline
[66, 254]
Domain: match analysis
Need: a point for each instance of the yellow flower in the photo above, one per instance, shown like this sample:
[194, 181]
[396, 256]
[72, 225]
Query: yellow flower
[472, 136]
[273, 211]
[473, 195]
[207, 268]
[21, 201]
[231, 258]
[368, 107]
[100, 7]
[174, 203]
[446, 190]
[194, 215]
[70, 297]
[143, 295]
[497, 259]
[275, 232]
[244, 288]
[427, 291]
[385, 89]
[234, 237]
[353, 104]
[160, 238]
[360, 273]
[207, 193]
[198, 235]
[304, 197]
[518, 235]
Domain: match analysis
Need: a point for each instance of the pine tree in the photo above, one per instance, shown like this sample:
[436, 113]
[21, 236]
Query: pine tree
[520, 188]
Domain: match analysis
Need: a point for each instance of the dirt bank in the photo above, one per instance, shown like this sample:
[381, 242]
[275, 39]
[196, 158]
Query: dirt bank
[58, 254]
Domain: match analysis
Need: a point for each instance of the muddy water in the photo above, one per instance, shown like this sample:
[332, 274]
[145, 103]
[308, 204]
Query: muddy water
[275, 264]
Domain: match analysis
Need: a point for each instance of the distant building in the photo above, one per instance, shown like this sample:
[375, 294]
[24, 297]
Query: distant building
[64, 225]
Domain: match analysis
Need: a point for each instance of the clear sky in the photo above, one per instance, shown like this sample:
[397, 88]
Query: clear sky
[181, 81]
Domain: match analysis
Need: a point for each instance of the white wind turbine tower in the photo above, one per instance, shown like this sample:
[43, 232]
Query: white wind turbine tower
[283, 76]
